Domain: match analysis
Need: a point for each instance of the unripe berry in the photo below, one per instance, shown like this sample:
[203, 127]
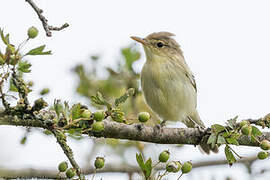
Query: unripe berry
[99, 162]
[265, 145]
[70, 173]
[62, 167]
[30, 83]
[246, 130]
[243, 123]
[32, 32]
[86, 113]
[143, 116]
[173, 166]
[186, 168]
[44, 91]
[262, 155]
[98, 126]
[164, 156]
[99, 115]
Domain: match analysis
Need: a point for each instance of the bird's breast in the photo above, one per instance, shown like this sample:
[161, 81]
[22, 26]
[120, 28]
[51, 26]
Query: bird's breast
[167, 90]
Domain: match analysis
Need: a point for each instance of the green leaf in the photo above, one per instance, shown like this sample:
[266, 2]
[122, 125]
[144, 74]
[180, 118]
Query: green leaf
[130, 55]
[12, 87]
[227, 134]
[217, 128]
[256, 131]
[76, 111]
[58, 107]
[140, 161]
[232, 122]
[66, 111]
[2, 61]
[124, 97]
[24, 67]
[212, 140]
[98, 99]
[229, 155]
[7, 38]
[4, 38]
[118, 115]
[38, 51]
[75, 133]
[145, 167]
[235, 135]
[232, 141]
[148, 168]
[221, 139]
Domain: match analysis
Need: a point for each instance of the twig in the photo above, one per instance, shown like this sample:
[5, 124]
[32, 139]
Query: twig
[4, 102]
[110, 168]
[137, 132]
[44, 21]
[20, 85]
[61, 140]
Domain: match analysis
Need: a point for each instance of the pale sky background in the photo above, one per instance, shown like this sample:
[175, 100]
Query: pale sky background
[225, 43]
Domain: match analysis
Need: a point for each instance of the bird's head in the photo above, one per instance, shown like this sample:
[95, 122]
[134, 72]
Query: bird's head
[159, 45]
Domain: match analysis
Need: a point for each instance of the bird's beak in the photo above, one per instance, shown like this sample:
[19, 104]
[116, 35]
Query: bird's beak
[140, 40]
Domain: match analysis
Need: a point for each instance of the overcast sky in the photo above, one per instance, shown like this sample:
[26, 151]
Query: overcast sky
[225, 43]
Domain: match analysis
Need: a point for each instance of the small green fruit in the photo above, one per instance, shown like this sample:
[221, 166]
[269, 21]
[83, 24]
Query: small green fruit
[98, 126]
[243, 123]
[30, 83]
[262, 155]
[99, 115]
[246, 130]
[143, 116]
[32, 32]
[265, 145]
[186, 168]
[86, 113]
[70, 173]
[164, 156]
[62, 167]
[99, 162]
[23, 140]
[173, 166]
[44, 91]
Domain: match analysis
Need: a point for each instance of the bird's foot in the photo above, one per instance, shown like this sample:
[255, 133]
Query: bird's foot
[201, 129]
[163, 123]
[160, 126]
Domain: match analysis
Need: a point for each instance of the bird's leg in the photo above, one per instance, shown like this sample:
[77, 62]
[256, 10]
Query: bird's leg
[200, 128]
[163, 123]
[197, 126]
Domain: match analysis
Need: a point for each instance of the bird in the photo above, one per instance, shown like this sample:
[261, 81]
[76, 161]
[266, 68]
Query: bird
[168, 85]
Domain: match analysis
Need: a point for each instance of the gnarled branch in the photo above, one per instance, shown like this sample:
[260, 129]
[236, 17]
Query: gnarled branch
[136, 132]
[48, 29]
[109, 168]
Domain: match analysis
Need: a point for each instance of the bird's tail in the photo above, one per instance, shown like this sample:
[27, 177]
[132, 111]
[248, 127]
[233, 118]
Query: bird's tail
[195, 120]
[206, 148]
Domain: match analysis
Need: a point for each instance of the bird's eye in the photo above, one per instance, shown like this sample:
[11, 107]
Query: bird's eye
[160, 44]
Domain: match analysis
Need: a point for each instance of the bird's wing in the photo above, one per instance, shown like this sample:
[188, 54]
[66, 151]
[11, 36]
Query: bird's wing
[192, 80]
[184, 67]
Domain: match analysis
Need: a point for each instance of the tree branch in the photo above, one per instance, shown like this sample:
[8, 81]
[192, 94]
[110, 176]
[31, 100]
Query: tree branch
[61, 140]
[137, 132]
[109, 168]
[44, 21]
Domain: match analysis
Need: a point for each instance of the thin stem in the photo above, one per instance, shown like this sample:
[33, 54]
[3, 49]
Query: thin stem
[180, 176]
[44, 21]
[235, 152]
[61, 140]
[256, 139]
